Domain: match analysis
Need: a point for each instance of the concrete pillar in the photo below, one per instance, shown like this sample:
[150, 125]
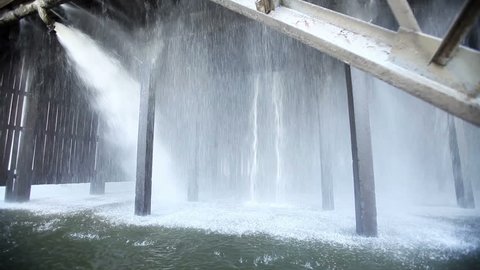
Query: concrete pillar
[143, 190]
[363, 176]
[463, 188]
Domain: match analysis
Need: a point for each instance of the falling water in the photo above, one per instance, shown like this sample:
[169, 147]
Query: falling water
[277, 103]
[253, 169]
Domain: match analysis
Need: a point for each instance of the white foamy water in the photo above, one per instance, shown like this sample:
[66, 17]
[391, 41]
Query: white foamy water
[431, 229]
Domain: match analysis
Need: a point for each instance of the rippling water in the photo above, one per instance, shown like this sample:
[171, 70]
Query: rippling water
[83, 240]
[79, 231]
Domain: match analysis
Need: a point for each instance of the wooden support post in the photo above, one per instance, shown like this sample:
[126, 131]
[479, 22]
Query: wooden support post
[363, 177]
[22, 184]
[143, 193]
[463, 190]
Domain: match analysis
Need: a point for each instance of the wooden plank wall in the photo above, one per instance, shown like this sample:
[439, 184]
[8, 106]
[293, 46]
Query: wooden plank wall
[64, 125]
[11, 106]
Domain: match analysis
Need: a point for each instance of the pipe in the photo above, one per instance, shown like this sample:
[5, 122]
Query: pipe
[23, 10]
[42, 13]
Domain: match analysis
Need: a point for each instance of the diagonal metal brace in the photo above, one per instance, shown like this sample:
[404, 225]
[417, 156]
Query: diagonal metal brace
[460, 28]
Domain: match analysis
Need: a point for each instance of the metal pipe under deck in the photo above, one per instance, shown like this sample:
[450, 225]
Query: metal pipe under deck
[24, 10]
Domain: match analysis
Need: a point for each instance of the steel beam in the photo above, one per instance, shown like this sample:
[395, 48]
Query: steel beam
[401, 58]
[362, 161]
[462, 25]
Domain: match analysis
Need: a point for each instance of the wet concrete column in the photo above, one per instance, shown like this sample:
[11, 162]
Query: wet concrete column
[463, 188]
[143, 190]
[363, 177]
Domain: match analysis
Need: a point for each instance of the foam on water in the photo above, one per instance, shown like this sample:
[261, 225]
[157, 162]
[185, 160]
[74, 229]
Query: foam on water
[430, 230]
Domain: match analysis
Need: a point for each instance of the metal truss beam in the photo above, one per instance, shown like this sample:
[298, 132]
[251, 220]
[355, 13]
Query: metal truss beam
[401, 58]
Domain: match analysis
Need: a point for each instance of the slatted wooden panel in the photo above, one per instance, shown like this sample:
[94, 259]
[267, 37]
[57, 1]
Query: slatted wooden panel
[13, 97]
[63, 125]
